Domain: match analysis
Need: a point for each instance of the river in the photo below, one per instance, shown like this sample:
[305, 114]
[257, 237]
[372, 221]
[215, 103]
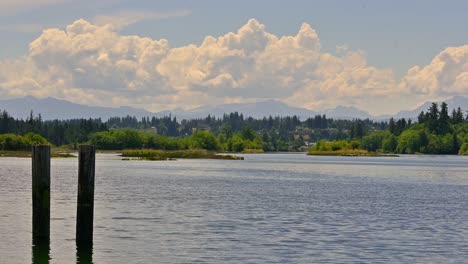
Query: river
[269, 208]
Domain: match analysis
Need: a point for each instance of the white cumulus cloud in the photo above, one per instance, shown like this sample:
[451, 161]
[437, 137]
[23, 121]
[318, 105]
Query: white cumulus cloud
[94, 64]
[447, 74]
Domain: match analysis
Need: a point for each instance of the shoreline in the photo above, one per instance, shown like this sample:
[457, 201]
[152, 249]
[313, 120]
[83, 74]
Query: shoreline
[74, 154]
[349, 153]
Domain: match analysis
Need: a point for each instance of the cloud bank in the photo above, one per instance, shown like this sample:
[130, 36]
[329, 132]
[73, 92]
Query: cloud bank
[94, 64]
[447, 74]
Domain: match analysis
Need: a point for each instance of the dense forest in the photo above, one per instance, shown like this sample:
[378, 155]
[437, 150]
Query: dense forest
[233, 132]
[435, 132]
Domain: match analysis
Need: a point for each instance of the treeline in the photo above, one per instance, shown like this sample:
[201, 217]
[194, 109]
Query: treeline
[276, 133]
[58, 132]
[272, 133]
[246, 140]
[436, 132]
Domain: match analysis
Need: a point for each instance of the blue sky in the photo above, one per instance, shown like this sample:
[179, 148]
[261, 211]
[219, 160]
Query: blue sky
[389, 35]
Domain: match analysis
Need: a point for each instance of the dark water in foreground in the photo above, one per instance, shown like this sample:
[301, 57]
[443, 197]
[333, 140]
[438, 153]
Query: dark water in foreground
[276, 208]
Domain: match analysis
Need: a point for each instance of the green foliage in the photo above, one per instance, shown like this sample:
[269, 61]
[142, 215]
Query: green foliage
[411, 141]
[446, 146]
[236, 144]
[432, 118]
[457, 116]
[419, 141]
[463, 149]
[18, 142]
[438, 121]
[323, 145]
[436, 132]
[117, 139]
[396, 128]
[277, 133]
[389, 143]
[247, 133]
[433, 145]
[205, 140]
[357, 130]
[443, 123]
[374, 141]
[247, 139]
[339, 148]
[133, 139]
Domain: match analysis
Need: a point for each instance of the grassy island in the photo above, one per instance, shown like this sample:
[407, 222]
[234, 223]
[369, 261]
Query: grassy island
[344, 148]
[349, 152]
[150, 154]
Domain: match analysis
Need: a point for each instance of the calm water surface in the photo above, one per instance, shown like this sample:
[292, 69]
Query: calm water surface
[273, 208]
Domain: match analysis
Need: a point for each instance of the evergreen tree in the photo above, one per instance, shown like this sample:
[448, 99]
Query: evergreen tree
[421, 117]
[392, 126]
[359, 129]
[457, 116]
[433, 118]
[444, 120]
[400, 126]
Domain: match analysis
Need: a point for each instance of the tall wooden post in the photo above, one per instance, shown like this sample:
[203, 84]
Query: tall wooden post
[41, 192]
[85, 206]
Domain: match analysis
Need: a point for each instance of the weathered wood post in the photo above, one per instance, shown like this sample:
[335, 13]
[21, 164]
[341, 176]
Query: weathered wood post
[85, 206]
[41, 192]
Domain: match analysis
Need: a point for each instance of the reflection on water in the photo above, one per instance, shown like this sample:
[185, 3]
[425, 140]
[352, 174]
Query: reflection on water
[40, 251]
[84, 253]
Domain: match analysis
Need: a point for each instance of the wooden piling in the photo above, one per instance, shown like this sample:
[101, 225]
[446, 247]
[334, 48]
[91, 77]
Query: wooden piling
[85, 206]
[41, 192]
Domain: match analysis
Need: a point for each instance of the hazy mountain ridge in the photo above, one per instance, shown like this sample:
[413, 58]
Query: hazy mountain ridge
[51, 108]
[255, 110]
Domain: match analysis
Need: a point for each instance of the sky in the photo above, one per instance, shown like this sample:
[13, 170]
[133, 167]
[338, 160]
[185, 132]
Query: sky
[379, 56]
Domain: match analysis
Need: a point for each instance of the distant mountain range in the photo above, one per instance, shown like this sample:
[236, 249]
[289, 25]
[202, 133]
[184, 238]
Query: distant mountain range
[51, 108]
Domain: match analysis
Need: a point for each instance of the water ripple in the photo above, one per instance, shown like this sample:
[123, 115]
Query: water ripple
[282, 208]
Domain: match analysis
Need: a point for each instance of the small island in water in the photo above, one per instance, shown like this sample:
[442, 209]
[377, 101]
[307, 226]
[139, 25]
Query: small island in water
[152, 154]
